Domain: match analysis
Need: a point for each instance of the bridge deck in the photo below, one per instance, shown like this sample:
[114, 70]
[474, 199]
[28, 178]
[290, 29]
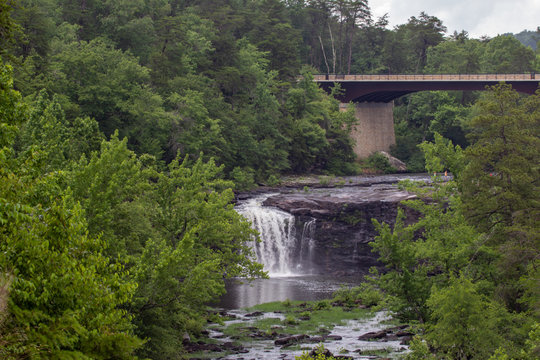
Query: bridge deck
[385, 88]
[428, 77]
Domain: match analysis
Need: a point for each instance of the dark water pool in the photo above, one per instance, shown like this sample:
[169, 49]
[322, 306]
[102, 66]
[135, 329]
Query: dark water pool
[304, 288]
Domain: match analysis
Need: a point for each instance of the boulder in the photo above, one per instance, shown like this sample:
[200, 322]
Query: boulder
[394, 162]
[254, 314]
[290, 339]
[374, 335]
[333, 337]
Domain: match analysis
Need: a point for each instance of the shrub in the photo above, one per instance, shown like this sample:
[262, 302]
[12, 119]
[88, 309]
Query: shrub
[243, 178]
[380, 162]
[321, 305]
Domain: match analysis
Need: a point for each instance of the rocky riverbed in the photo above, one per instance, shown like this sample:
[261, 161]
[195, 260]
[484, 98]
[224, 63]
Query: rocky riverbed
[275, 335]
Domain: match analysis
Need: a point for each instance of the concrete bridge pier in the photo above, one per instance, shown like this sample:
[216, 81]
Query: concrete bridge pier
[375, 129]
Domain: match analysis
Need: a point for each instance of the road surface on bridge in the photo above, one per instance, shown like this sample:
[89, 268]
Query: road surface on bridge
[385, 88]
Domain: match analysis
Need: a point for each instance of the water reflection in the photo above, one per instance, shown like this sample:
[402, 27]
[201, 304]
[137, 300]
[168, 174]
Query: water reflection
[304, 288]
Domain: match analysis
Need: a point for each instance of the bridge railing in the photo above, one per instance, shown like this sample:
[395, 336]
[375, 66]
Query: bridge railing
[427, 77]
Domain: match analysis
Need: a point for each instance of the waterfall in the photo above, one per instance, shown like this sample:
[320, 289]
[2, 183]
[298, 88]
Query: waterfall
[307, 243]
[280, 250]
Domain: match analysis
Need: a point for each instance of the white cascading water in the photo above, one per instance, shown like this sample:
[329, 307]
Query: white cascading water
[280, 250]
[277, 232]
[307, 244]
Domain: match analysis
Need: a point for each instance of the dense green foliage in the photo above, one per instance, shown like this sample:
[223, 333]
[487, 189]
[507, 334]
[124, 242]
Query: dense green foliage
[121, 121]
[467, 271]
[64, 292]
[189, 77]
[98, 245]
[220, 77]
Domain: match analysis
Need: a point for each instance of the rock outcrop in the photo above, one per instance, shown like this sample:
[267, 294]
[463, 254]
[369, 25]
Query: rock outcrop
[343, 223]
[394, 162]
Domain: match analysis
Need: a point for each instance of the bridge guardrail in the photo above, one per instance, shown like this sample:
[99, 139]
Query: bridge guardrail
[427, 77]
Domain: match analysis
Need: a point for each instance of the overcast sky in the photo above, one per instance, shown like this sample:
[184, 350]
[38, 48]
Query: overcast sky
[477, 17]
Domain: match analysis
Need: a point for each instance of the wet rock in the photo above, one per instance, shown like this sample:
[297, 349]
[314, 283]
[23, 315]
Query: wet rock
[323, 338]
[186, 338]
[290, 339]
[263, 335]
[320, 213]
[394, 162]
[335, 204]
[374, 335]
[389, 334]
[253, 314]
[301, 211]
[406, 340]
[333, 337]
[404, 333]
[225, 314]
[227, 346]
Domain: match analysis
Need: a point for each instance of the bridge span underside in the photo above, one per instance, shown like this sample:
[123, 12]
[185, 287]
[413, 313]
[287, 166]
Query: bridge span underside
[375, 129]
[385, 88]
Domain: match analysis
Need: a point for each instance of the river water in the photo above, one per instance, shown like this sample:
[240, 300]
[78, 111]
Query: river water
[304, 287]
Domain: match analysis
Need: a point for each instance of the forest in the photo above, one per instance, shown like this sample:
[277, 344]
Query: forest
[127, 125]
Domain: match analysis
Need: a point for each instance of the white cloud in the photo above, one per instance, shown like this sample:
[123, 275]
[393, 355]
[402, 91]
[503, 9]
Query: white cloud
[477, 17]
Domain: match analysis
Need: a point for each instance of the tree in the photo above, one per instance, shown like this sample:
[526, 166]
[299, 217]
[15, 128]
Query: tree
[110, 185]
[202, 240]
[440, 244]
[176, 231]
[465, 325]
[458, 55]
[440, 271]
[420, 34]
[500, 183]
[272, 32]
[369, 47]
[505, 54]
[110, 86]
[63, 293]
[350, 15]
[59, 140]
[8, 27]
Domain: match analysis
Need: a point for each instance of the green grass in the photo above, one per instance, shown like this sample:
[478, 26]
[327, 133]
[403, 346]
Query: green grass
[322, 319]
[281, 306]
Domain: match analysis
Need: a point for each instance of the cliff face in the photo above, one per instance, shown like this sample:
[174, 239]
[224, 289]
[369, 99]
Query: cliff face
[343, 226]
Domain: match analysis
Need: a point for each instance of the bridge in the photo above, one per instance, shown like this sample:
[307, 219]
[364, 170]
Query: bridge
[373, 96]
